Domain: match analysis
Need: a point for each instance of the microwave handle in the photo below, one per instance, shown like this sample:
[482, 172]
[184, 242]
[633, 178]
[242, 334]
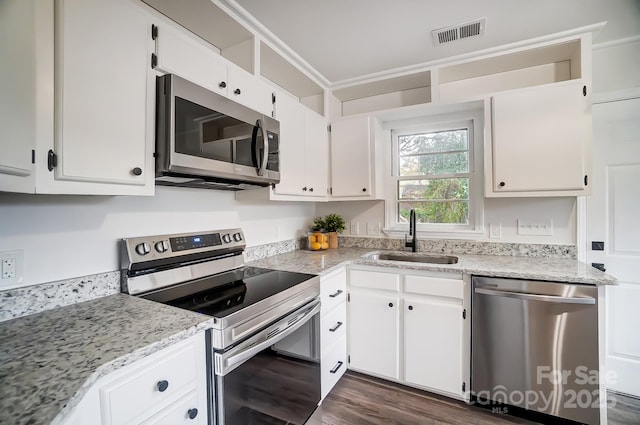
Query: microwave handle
[262, 167]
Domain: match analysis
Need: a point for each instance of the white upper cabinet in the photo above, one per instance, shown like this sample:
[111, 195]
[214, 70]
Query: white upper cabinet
[17, 102]
[189, 58]
[90, 123]
[185, 55]
[540, 140]
[303, 151]
[103, 117]
[355, 168]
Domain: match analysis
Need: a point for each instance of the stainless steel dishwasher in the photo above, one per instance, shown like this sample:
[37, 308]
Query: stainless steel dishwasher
[534, 345]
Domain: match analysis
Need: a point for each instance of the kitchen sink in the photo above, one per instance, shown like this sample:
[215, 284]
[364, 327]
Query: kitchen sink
[415, 258]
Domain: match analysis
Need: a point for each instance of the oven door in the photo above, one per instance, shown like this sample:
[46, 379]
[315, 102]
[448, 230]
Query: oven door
[274, 376]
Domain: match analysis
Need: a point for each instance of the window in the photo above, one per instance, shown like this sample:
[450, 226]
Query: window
[436, 173]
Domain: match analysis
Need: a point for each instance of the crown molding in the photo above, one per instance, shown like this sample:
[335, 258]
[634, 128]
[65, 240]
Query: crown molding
[246, 18]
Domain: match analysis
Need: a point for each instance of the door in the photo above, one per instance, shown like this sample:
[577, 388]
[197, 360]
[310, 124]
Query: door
[103, 85]
[351, 159]
[373, 321]
[539, 138]
[433, 344]
[316, 154]
[291, 115]
[612, 218]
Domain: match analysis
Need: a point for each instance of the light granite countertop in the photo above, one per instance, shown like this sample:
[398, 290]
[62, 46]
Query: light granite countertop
[49, 360]
[555, 269]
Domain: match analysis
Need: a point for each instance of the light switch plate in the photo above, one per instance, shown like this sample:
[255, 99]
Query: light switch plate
[495, 231]
[537, 227]
[373, 228]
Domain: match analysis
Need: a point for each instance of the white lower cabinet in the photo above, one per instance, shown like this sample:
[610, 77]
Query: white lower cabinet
[166, 387]
[411, 327]
[333, 334]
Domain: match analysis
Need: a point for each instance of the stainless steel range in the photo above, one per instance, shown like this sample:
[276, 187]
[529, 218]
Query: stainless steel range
[264, 353]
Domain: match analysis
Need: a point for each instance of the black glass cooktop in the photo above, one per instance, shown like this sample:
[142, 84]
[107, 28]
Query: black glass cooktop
[225, 293]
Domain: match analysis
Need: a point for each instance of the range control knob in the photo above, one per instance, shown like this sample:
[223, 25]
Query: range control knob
[237, 237]
[162, 246]
[226, 238]
[143, 248]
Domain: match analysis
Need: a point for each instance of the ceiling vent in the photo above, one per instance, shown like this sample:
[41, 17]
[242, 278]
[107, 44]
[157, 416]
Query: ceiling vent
[459, 32]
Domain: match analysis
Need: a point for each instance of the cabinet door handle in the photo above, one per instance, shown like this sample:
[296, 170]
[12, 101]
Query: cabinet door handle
[162, 385]
[364, 189]
[502, 184]
[222, 84]
[335, 328]
[136, 171]
[237, 91]
[410, 307]
[304, 189]
[192, 413]
[336, 367]
[310, 189]
[390, 304]
[335, 294]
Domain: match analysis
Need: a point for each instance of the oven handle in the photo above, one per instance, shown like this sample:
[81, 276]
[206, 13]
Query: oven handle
[227, 364]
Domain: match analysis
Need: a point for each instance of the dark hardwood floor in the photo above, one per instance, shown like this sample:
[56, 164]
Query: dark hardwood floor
[361, 400]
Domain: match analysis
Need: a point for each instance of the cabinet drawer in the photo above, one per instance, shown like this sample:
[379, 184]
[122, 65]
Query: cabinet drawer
[436, 286]
[333, 326]
[374, 280]
[333, 290]
[126, 398]
[333, 364]
[178, 413]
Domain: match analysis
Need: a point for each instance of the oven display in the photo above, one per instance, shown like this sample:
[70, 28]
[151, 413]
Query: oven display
[193, 242]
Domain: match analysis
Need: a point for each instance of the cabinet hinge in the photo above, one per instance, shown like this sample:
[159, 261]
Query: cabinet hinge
[273, 98]
[464, 386]
[348, 297]
[349, 359]
[330, 191]
[154, 32]
[584, 90]
[154, 61]
[464, 314]
[586, 180]
[52, 160]
[33, 156]
[329, 128]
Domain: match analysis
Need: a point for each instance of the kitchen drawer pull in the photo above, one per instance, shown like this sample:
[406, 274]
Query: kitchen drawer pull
[335, 294]
[336, 367]
[335, 328]
[536, 297]
[192, 413]
[162, 385]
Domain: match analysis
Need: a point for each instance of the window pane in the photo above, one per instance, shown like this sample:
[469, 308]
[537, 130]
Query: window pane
[441, 141]
[447, 163]
[445, 212]
[434, 189]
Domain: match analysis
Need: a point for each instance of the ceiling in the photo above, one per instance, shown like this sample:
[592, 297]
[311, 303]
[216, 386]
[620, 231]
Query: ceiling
[348, 39]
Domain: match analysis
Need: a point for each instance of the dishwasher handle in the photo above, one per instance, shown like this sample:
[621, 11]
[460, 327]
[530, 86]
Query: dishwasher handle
[536, 297]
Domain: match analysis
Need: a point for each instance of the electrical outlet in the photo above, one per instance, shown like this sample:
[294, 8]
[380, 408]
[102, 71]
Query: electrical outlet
[495, 231]
[11, 265]
[355, 228]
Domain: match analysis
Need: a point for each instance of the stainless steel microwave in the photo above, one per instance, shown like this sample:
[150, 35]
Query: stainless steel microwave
[205, 140]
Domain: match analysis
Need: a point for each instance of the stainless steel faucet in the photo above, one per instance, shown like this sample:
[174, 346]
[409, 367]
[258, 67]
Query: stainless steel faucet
[412, 232]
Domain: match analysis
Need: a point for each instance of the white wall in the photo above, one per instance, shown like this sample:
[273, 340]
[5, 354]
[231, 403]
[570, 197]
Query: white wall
[616, 66]
[506, 212]
[70, 236]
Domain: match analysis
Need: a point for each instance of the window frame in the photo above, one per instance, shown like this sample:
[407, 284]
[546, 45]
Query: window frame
[470, 120]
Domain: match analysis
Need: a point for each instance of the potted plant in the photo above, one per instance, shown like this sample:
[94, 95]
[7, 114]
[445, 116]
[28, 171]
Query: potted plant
[334, 224]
